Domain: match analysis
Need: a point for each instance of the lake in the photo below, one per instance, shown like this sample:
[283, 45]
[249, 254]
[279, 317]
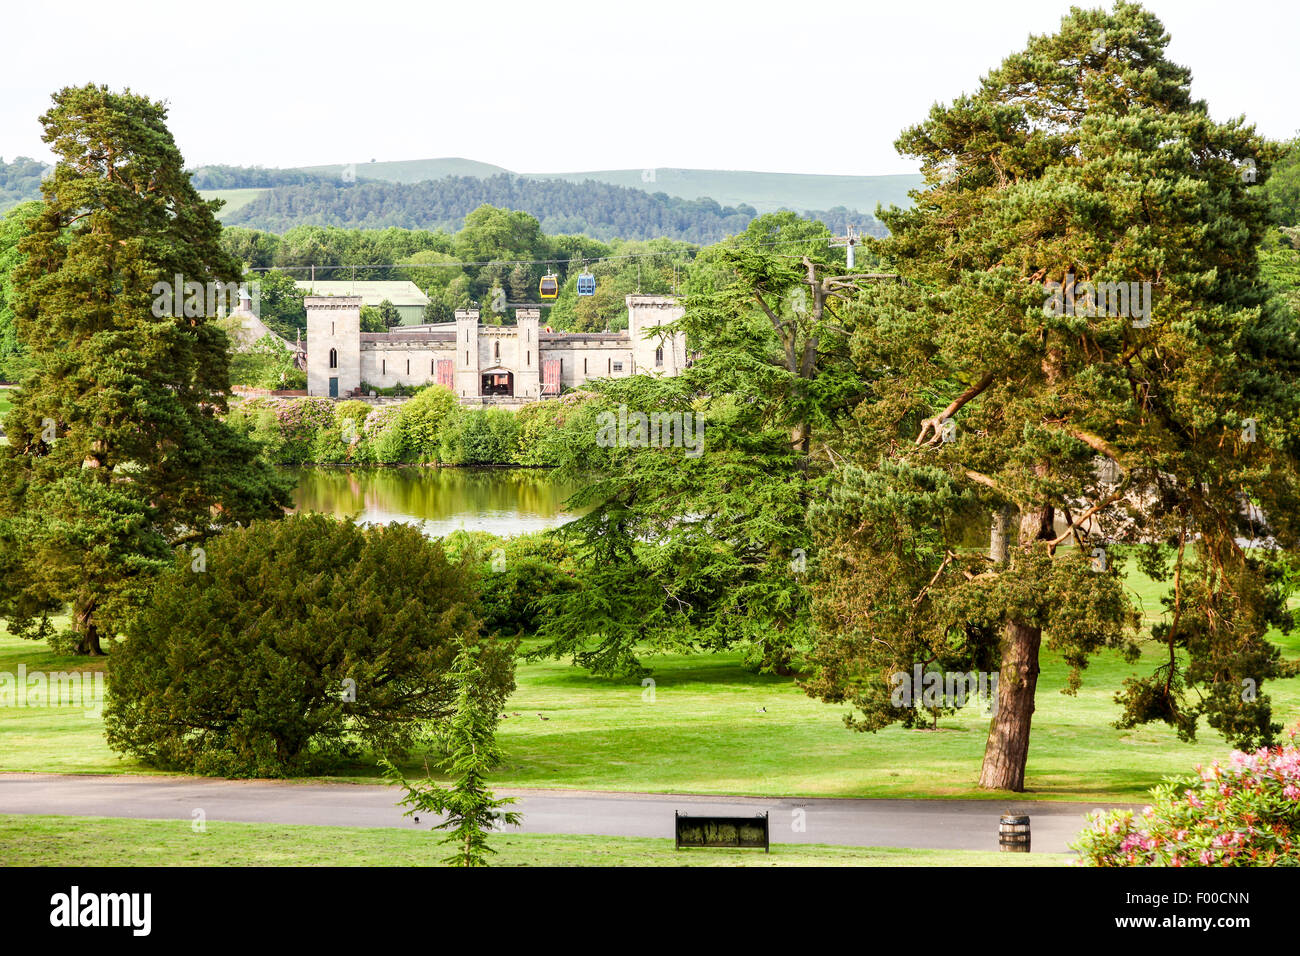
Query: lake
[503, 501]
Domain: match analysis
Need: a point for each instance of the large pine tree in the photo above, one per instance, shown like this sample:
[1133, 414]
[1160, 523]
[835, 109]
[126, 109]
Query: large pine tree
[117, 452]
[1173, 429]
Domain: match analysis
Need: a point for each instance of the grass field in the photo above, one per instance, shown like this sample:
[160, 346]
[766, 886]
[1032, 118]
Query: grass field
[100, 841]
[714, 727]
[235, 198]
[5, 405]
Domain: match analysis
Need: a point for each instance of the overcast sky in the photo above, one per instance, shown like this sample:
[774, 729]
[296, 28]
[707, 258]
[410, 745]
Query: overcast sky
[557, 86]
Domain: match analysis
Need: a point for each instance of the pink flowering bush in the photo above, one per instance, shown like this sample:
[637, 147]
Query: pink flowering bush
[1244, 814]
[287, 427]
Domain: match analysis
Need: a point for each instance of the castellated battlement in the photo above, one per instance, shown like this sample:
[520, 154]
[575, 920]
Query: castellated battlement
[482, 364]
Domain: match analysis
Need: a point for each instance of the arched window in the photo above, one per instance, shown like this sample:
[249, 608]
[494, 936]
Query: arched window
[659, 356]
[334, 358]
[496, 351]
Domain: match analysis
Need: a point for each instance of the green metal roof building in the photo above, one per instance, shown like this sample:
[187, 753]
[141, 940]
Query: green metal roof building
[406, 296]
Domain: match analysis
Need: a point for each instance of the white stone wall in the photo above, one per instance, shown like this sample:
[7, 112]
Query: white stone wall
[468, 358]
[333, 322]
[583, 363]
[528, 354]
[645, 312]
[387, 366]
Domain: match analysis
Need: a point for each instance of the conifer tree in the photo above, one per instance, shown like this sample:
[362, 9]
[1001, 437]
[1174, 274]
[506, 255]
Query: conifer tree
[472, 812]
[1154, 404]
[117, 450]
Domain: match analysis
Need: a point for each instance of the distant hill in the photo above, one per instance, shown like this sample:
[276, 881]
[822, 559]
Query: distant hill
[412, 170]
[599, 210]
[766, 192]
[19, 181]
[691, 204]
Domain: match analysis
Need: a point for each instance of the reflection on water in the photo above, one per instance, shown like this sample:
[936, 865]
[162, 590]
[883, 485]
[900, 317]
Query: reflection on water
[503, 501]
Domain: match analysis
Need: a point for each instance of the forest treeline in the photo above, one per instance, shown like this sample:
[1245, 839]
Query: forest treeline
[599, 210]
[255, 177]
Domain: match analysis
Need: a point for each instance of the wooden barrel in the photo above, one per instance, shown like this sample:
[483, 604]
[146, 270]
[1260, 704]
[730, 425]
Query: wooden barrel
[1013, 833]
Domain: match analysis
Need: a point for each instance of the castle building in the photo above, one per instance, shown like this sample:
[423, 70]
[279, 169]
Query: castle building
[505, 364]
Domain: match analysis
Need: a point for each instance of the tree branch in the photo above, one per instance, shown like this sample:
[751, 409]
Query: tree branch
[935, 424]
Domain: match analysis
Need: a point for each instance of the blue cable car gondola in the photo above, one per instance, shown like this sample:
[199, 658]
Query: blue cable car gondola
[586, 284]
[549, 287]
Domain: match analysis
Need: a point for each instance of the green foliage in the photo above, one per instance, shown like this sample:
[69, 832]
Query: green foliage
[1026, 184]
[20, 181]
[548, 429]
[267, 363]
[13, 227]
[422, 422]
[297, 642]
[1282, 188]
[879, 534]
[388, 315]
[288, 428]
[771, 382]
[513, 573]
[117, 451]
[483, 437]
[280, 302]
[472, 812]
[595, 209]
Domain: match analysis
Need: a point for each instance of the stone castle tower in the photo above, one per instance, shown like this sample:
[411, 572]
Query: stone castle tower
[334, 334]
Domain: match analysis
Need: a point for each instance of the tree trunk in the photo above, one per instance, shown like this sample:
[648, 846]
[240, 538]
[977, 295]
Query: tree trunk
[83, 617]
[801, 437]
[1007, 751]
[1000, 535]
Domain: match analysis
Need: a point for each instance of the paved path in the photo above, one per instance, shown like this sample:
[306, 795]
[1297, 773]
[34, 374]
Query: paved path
[935, 824]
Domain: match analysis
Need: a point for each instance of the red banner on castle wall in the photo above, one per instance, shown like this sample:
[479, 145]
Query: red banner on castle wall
[550, 376]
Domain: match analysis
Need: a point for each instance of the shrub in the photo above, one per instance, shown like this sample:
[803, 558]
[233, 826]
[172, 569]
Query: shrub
[343, 441]
[546, 429]
[1244, 814]
[393, 391]
[425, 418]
[414, 430]
[354, 409]
[512, 574]
[488, 436]
[267, 363]
[287, 428]
[245, 669]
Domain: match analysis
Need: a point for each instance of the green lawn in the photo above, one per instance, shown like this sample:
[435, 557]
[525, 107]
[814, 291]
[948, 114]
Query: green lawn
[236, 199]
[5, 405]
[99, 841]
[714, 727]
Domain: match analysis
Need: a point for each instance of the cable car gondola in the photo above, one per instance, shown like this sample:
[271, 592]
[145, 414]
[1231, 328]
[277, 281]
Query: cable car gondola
[586, 284]
[549, 287]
